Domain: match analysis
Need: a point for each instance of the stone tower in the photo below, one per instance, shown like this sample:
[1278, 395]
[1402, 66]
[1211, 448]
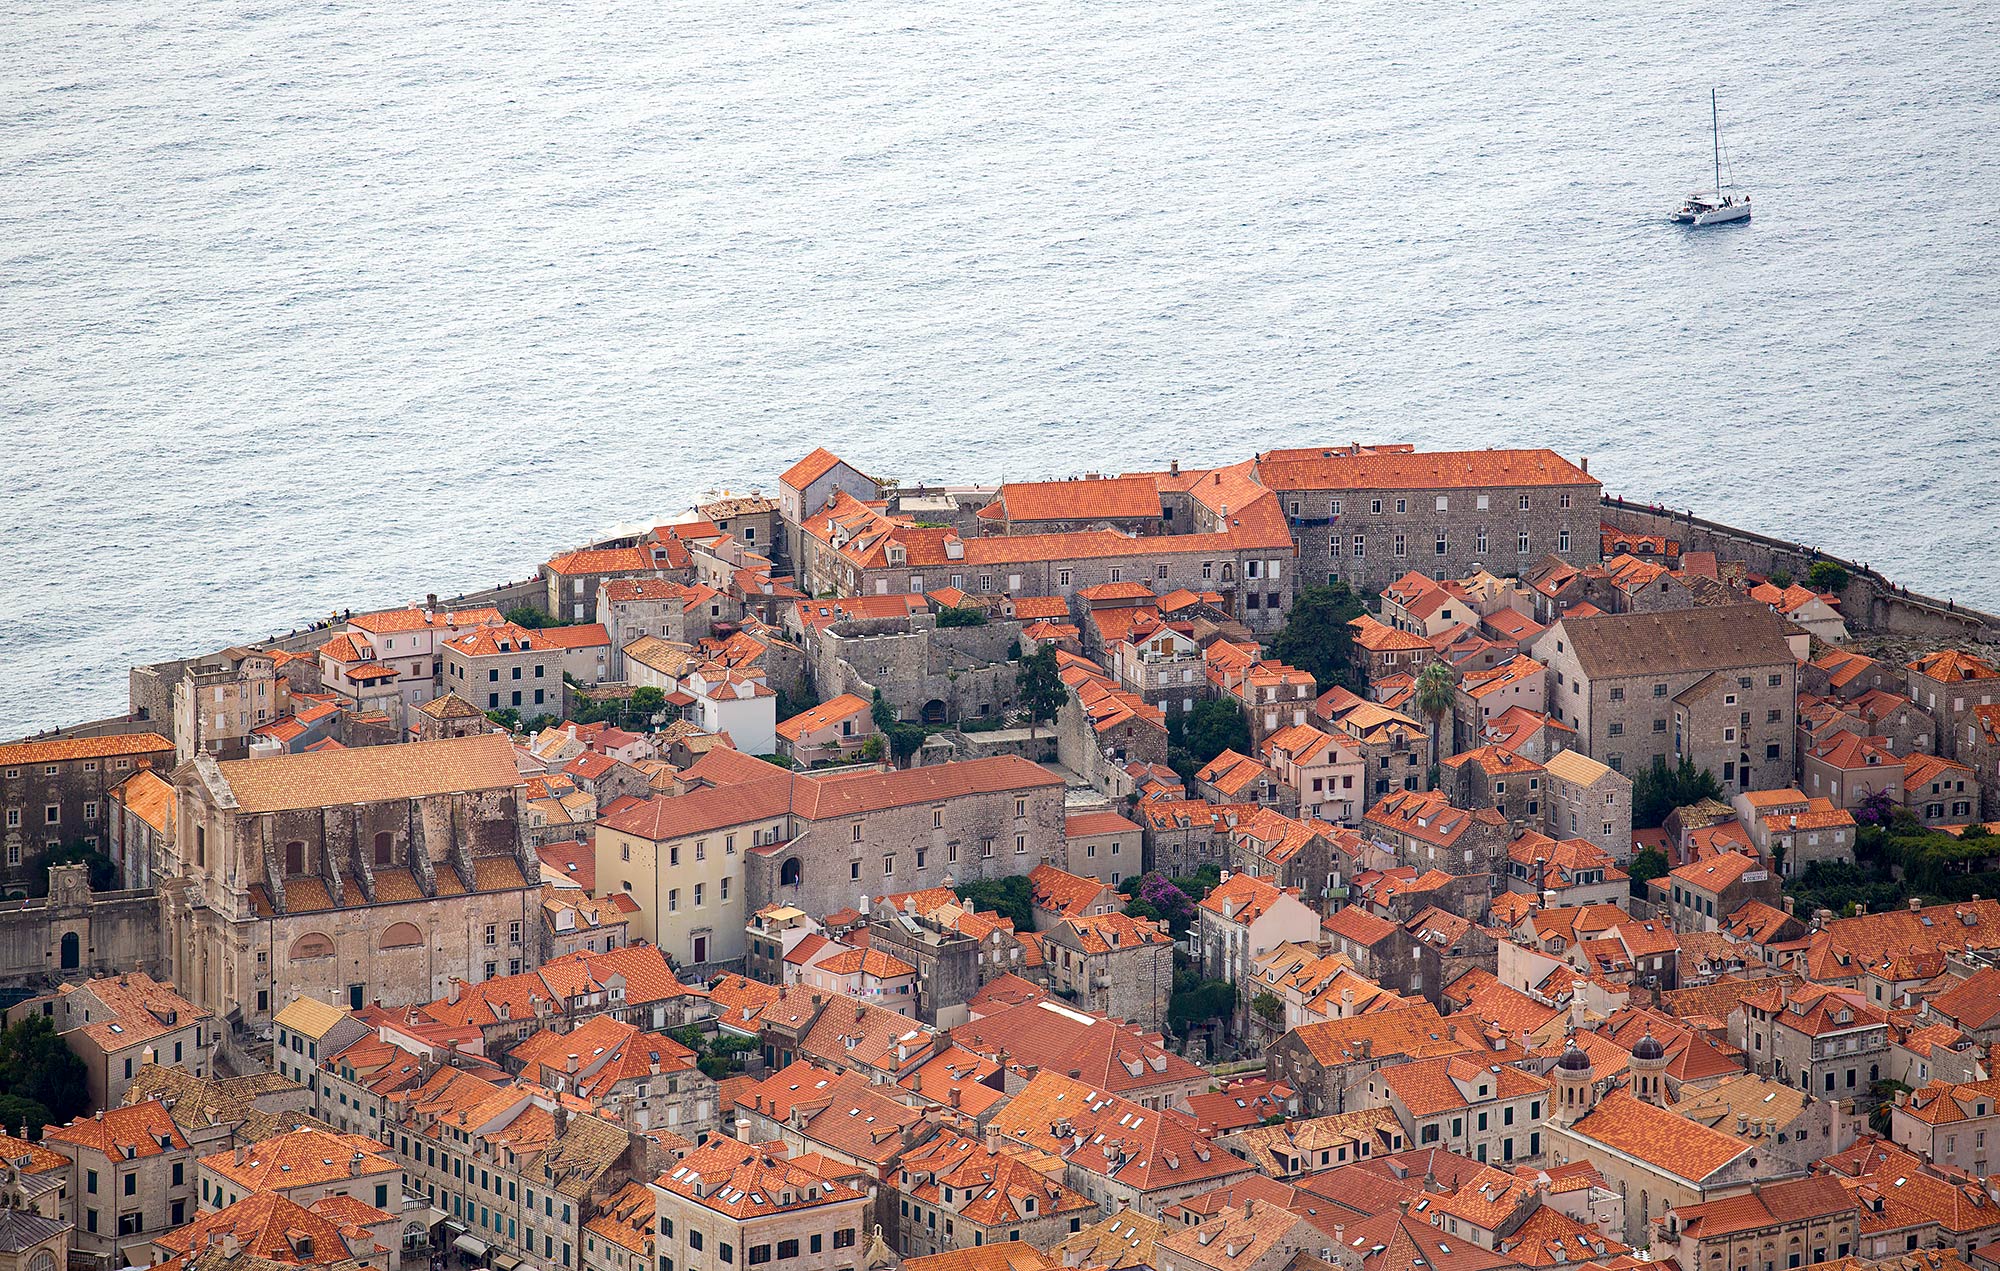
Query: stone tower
[1576, 1084]
[1649, 1066]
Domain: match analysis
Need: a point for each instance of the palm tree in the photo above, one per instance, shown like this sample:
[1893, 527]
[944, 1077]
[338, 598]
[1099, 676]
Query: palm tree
[1436, 694]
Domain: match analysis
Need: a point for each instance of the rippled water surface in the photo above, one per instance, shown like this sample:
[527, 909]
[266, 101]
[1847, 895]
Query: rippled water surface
[306, 304]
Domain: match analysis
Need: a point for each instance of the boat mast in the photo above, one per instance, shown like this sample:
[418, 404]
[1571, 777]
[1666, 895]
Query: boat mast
[1715, 128]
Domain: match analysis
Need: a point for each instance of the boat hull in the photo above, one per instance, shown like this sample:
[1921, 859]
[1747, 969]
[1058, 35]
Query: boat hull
[1723, 215]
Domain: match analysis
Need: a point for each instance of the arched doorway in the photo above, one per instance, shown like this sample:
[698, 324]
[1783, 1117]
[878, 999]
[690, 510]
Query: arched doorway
[385, 848]
[792, 872]
[72, 951]
[934, 711]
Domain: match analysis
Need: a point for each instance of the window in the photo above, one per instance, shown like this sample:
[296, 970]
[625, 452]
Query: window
[854, 871]
[1020, 845]
[889, 865]
[1375, 506]
[1401, 549]
[1062, 577]
[854, 832]
[787, 1249]
[699, 889]
[759, 1255]
[1774, 680]
[1562, 538]
[1333, 508]
[1524, 542]
[1360, 546]
[843, 1239]
[1524, 503]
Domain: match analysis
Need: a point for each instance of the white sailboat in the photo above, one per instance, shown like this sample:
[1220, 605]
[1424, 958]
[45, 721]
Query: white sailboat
[1722, 204]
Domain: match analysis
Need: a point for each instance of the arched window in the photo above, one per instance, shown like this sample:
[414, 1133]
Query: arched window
[295, 857]
[42, 1261]
[791, 872]
[385, 848]
[72, 951]
[311, 945]
[401, 936]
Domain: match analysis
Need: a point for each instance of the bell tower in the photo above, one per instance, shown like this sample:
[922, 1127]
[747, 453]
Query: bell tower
[1576, 1084]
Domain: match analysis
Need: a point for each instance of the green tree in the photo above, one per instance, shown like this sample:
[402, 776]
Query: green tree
[1316, 637]
[646, 702]
[1008, 897]
[1437, 693]
[904, 740]
[528, 616]
[507, 717]
[1214, 726]
[962, 616]
[1268, 1008]
[16, 1113]
[38, 1066]
[1649, 864]
[103, 870]
[1207, 1000]
[1040, 682]
[874, 748]
[1659, 789]
[1827, 575]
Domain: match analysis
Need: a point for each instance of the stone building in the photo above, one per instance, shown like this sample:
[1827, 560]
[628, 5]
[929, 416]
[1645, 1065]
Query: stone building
[74, 932]
[1183, 835]
[1951, 685]
[1587, 800]
[1367, 515]
[141, 825]
[804, 489]
[1491, 1113]
[372, 874]
[732, 1203]
[1103, 845]
[1712, 686]
[53, 793]
[906, 830]
[1425, 830]
[1824, 1040]
[996, 1196]
[1395, 747]
[132, 1178]
[1801, 1222]
[1112, 965]
[1654, 1159]
[222, 698]
[1229, 539]
[118, 1024]
[503, 667]
[672, 611]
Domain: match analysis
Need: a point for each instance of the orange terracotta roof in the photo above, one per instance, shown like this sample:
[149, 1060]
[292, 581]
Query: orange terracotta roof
[112, 746]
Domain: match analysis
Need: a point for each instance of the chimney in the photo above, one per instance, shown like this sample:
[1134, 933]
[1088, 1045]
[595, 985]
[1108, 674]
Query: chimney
[570, 1065]
[354, 1165]
[451, 993]
[1584, 463]
[742, 1130]
[993, 1138]
[431, 601]
[242, 1150]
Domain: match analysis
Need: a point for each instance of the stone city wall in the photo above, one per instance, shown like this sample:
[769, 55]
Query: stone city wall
[1871, 604]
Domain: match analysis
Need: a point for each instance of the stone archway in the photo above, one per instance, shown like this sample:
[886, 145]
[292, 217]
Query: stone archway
[934, 712]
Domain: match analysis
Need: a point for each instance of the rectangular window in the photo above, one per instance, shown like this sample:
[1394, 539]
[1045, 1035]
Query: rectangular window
[1524, 542]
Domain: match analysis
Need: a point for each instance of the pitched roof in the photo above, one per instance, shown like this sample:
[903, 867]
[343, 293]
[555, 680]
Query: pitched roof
[1660, 1138]
[112, 746]
[145, 1128]
[828, 712]
[1390, 469]
[371, 774]
[1678, 641]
